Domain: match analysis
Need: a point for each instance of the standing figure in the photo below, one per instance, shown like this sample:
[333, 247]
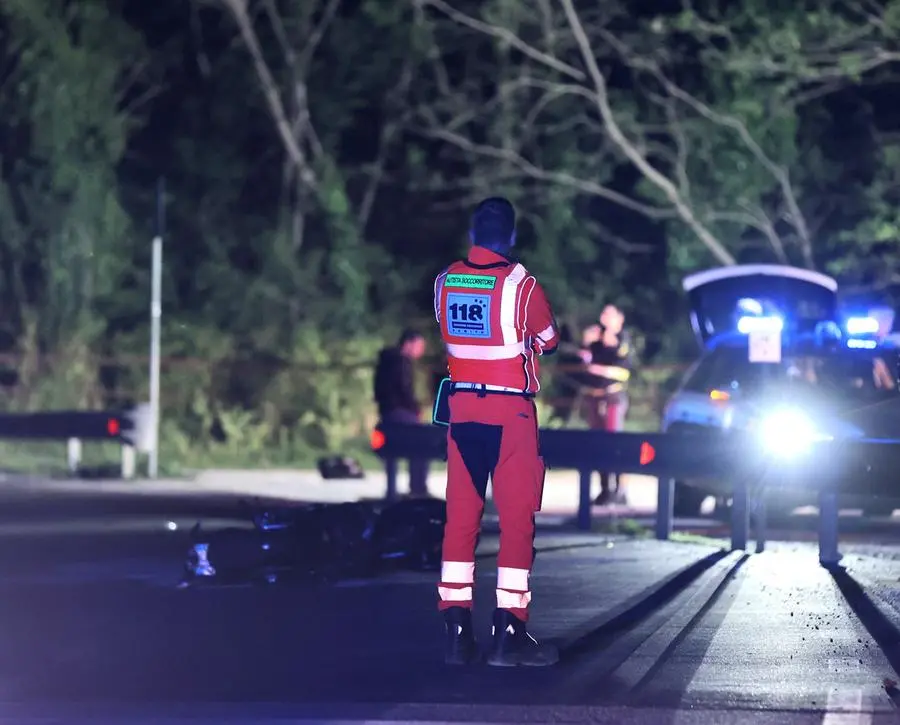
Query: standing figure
[607, 352]
[496, 322]
[395, 395]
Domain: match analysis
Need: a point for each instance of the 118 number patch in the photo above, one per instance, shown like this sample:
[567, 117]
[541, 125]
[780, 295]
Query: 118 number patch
[469, 315]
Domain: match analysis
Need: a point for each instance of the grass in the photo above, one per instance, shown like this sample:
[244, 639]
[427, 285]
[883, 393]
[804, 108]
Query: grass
[684, 537]
[48, 457]
[621, 527]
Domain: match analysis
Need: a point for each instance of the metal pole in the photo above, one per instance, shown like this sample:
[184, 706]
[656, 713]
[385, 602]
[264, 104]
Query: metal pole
[155, 320]
[761, 521]
[740, 515]
[390, 469]
[584, 499]
[665, 507]
[829, 512]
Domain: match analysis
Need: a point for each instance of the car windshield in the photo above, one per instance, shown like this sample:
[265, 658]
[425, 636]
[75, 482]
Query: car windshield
[802, 303]
[848, 374]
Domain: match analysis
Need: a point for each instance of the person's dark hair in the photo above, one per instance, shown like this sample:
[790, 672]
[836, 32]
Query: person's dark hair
[409, 335]
[493, 223]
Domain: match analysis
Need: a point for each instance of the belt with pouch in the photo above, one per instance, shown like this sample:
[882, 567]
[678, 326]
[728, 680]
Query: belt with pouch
[483, 389]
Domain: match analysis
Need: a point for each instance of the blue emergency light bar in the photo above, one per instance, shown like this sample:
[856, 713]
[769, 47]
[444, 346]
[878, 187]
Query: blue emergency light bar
[862, 344]
[746, 325]
[862, 326]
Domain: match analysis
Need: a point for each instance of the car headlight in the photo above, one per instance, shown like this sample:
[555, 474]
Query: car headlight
[788, 432]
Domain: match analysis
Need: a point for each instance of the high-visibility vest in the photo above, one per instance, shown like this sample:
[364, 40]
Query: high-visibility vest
[495, 321]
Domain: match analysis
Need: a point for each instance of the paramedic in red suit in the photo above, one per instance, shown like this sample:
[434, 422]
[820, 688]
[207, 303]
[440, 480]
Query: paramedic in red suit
[496, 322]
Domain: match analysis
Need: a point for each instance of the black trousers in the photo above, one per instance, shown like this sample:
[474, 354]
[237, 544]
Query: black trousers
[418, 467]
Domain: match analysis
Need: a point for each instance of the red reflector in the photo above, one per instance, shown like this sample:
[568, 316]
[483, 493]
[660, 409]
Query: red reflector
[377, 440]
[647, 453]
[112, 426]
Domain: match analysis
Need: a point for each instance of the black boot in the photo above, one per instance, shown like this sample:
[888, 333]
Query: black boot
[513, 646]
[460, 647]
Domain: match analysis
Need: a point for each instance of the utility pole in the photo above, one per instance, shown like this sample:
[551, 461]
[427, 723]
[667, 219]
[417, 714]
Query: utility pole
[155, 322]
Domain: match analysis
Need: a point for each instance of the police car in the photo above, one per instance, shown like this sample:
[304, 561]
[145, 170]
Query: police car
[781, 360]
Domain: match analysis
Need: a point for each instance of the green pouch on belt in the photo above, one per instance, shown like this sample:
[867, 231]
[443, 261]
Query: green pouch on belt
[441, 413]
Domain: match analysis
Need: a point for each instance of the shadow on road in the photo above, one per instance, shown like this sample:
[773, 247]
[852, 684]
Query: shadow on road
[877, 624]
[677, 685]
[636, 608]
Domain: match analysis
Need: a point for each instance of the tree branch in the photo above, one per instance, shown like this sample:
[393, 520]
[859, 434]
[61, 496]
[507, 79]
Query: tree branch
[281, 34]
[779, 173]
[318, 32]
[535, 172]
[390, 129]
[617, 136]
[507, 36]
[238, 9]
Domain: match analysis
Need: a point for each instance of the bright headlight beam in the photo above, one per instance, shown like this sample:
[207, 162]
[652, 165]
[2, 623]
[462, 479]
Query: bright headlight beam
[788, 432]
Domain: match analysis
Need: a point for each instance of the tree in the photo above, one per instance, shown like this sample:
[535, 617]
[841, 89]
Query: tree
[316, 49]
[707, 104]
[67, 107]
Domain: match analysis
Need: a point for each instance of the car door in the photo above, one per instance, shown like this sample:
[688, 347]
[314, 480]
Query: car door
[699, 403]
[719, 297]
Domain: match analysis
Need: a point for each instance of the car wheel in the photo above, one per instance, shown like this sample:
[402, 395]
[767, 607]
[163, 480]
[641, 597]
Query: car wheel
[688, 500]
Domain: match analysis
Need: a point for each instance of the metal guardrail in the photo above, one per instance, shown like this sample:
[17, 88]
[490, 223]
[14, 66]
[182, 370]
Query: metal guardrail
[825, 468]
[128, 428]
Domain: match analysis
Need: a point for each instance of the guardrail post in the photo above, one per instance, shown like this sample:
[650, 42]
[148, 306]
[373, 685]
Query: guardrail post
[584, 499]
[829, 555]
[760, 523]
[73, 454]
[665, 507]
[740, 516]
[390, 470]
[129, 461]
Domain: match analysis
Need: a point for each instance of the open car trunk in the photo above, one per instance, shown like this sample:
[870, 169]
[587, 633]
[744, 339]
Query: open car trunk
[720, 297]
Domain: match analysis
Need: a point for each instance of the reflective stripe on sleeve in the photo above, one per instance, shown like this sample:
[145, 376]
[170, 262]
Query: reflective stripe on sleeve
[509, 298]
[458, 572]
[611, 372]
[438, 287]
[547, 334]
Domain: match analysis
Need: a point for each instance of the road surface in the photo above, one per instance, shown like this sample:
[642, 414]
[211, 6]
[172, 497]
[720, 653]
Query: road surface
[95, 630]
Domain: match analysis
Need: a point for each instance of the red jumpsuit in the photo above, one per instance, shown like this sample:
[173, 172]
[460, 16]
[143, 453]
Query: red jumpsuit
[495, 321]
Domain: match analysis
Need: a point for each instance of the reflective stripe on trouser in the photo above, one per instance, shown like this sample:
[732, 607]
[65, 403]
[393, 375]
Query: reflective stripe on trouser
[512, 588]
[457, 579]
[493, 436]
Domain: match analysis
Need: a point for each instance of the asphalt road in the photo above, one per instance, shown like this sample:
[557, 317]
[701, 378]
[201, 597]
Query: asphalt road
[95, 630]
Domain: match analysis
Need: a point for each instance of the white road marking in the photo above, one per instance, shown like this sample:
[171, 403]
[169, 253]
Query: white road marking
[844, 707]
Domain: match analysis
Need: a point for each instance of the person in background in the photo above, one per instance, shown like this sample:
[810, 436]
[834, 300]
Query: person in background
[395, 395]
[607, 353]
[881, 375]
[568, 383]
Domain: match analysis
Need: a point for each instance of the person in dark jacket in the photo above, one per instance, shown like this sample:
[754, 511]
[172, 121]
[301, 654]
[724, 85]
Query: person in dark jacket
[395, 396]
[607, 353]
